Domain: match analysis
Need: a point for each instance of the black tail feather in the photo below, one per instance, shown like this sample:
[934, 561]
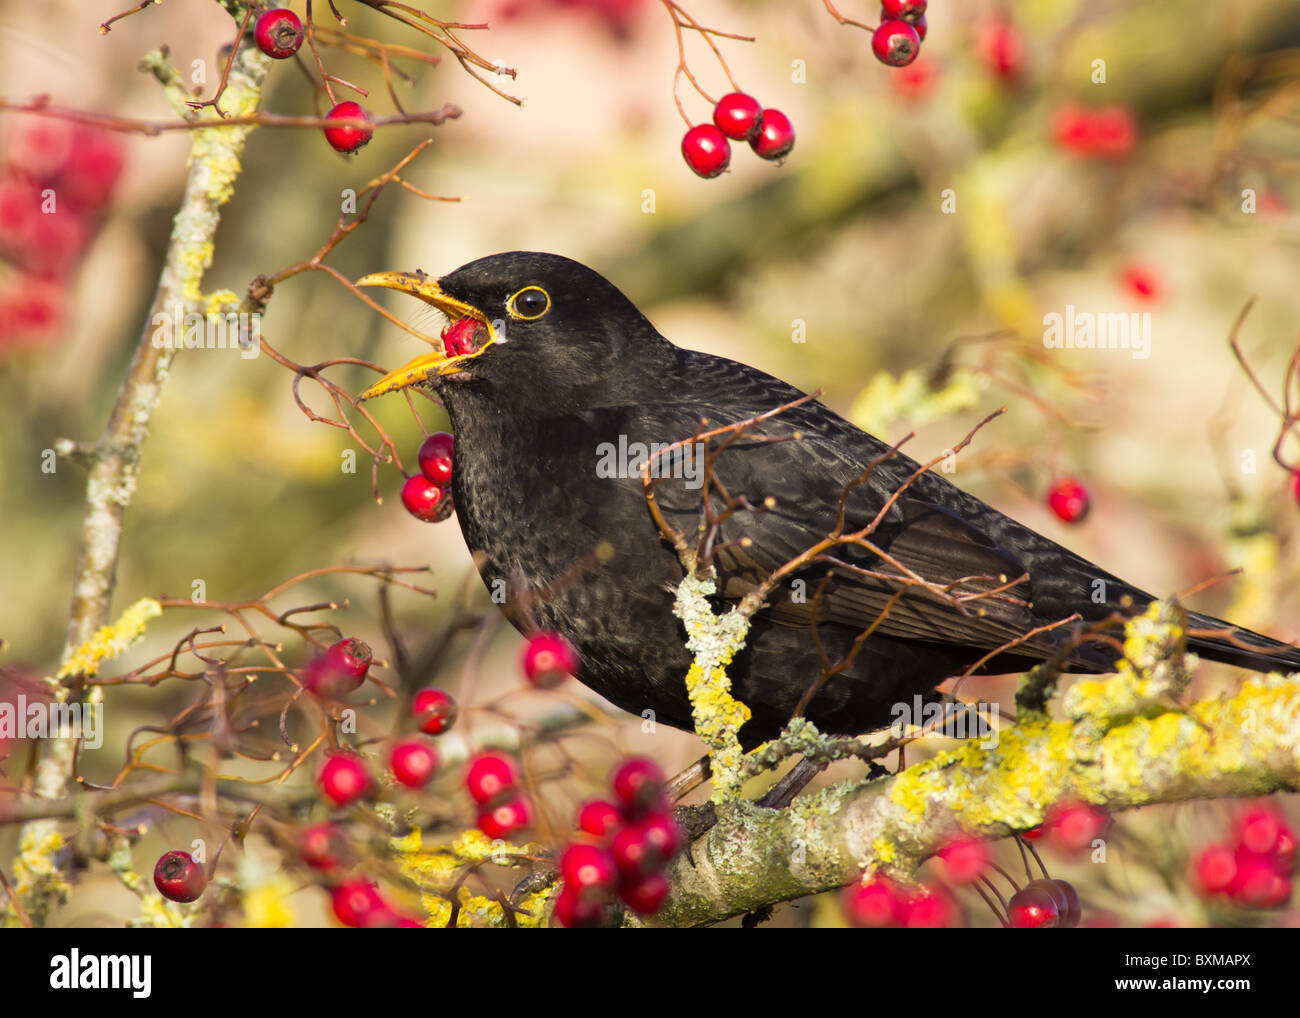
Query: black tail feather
[1233, 645]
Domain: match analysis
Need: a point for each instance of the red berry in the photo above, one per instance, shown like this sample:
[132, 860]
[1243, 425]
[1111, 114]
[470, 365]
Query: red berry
[929, 909]
[549, 659]
[706, 150]
[503, 820]
[1067, 903]
[634, 853]
[322, 847]
[178, 877]
[1141, 281]
[1258, 830]
[874, 902]
[895, 43]
[599, 818]
[737, 116]
[915, 81]
[1215, 870]
[663, 835]
[775, 136]
[1069, 499]
[1072, 827]
[357, 903]
[1001, 49]
[350, 657]
[278, 33]
[904, 10]
[587, 867]
[423, 499]
[1258, 884]
[1034, 833]
[458, 337]
[435, 457]
[646, 895]
[920, 24]
[638, 785]
[434, 711]
[576, 910]
[346, 138]
[343, 779]
[1034, 907]
[964, 858]
[490, 775]
[413, 762]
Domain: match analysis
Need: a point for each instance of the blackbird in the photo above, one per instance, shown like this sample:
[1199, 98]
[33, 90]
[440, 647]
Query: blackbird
[556, 382]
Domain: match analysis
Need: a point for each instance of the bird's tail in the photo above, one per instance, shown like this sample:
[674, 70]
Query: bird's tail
[1236, 646]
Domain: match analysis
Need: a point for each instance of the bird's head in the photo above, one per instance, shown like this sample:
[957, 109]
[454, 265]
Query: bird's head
[542, 324]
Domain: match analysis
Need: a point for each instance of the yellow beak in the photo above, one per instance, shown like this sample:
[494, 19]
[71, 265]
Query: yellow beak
[417, 284]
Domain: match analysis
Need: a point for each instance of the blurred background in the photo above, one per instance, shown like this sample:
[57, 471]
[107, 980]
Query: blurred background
[902, 260]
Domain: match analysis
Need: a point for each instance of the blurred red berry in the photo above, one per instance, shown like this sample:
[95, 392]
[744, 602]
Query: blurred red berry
[927, 909]
[599, 818]
[737, 115]
[1069, 500]
[502, 820]
[435, 457]
[1215, 870]
[322, 847]
[1108, 133]
[1259, 830]
[1001, 49]
[1141, 281]
[964, 858]
[633, 852]
[434, 710]
[1072, 827]
[490, 775]
[916, 81]
[178, 877]
[874, 902]
[646, 895]
[413, 762]
[587, 867]
[278, 33]
[576, 910]
[357, 903]
[345, 138]
[638, 785]
[549, 659]
[706, 150]
[343, 779]
[895, 43]
[92, 168]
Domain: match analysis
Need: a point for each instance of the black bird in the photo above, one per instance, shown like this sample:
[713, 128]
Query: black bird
[562, 368]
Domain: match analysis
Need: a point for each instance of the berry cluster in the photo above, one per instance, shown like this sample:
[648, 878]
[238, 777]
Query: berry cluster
[877, 901]
[178, 877]
[279, 34]
[493, 782]
[55, 180]
[897, 39]
[1254, 869]
[1069, 499]
[427, 495]
[628, 845]
[739, 117]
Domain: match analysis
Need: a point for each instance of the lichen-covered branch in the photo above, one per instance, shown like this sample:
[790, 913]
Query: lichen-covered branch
[1124, 742]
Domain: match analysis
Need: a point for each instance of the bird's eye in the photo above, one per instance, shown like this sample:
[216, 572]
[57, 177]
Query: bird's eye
[529, 303]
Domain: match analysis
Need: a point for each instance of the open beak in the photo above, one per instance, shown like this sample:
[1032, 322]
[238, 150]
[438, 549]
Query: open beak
[417, 284]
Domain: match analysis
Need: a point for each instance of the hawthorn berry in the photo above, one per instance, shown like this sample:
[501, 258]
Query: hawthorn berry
[1214, 870]
[599, 818]
[903, 10]
[921, 25]
[928, 909]
[1068, 903]
[647, 894]
[874, 902]
[1258, 830]
[964, 858]
[435, 457]
[1072, 827]
[504, 819]
[490, 775]
[549, 659]
[357, 903]
[321, 847]
[1141, 281]
[1069, 500]
[576, 910]
[343, 779]
[633, 852]
[775, 136]
[1258, 884]
[458, 337]
[895, 43]
[344, 137]
[1001, 49]
[662, 834]
[178, 877]
[1034, 907]
[278, 33]
[706, 150]
[638, 785]
[340, 670]
[413, 762]
[587, 868]
[737, 115]
[434, 711]
[423, 499]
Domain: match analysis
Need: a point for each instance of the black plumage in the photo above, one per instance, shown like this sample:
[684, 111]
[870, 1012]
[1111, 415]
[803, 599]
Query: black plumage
[536, 411]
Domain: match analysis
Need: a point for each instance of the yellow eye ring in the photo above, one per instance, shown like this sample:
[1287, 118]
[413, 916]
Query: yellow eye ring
[529, 304]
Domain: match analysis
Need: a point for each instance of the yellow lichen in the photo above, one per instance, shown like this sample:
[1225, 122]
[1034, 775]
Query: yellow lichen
[111, 640]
